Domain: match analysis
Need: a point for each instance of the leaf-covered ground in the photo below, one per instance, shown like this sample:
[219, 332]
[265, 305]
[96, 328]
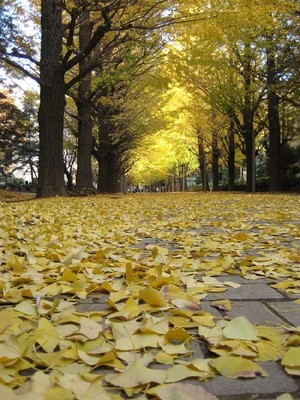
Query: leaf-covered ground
[150, 260]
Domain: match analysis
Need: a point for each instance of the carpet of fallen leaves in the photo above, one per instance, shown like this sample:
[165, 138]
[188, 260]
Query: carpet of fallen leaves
[153, 259]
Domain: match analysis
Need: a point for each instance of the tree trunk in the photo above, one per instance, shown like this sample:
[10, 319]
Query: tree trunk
[108, 173]
[248, 130]
[52, 103]
[84, 177]
[202, 162]
[215, 161]
[231, 157]
[109, 179]
[274, 123]
[69, 178]
[250, 166]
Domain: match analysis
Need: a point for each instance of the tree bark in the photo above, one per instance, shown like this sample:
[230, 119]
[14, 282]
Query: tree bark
[84, 177]
[108, 172]
[248, 130]
[274, 122]
[202, 162]
[52, 103]
[231, 157]
[215, 161]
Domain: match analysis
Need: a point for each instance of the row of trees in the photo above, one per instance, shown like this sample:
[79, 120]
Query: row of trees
[107, 70]
[242, 71]
[90, 52]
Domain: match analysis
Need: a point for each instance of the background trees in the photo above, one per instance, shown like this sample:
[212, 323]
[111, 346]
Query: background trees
[18, 140]
[233, 63]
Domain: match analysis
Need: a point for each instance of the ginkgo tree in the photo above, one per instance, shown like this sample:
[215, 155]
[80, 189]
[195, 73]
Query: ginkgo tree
[224, 59]
[62, 63]
[169, 153]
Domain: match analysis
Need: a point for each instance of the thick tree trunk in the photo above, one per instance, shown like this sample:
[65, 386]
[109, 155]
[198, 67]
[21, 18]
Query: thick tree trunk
[231, 157]
[52, 103]
[274, 124]
[84, 177]
[108, 174]
[109, 180]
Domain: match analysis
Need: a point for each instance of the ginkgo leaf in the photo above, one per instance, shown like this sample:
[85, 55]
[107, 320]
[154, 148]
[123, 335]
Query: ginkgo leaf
[130, 309]
[89, 328]
[236, 347]
[155, 325]
[26, 307]
[222, 304]
[276, 335]
[237, 367]
[6, 319]
[164, 358]
[268, 351]
[9, 350]
[182, 391]
[136, 375]
[177, 335]
[41, 382]
[204, 319]
[73, 383]
[203, 365]
[285, 396]
[177, 373]
[152, 297]
[7, 393]
[137, 341]
[68, 275]
[46, 335]
[96, 390]
[292, 370]
[242, 237]
[171, 348]
[291, 361]
[212, 335]
[58, 393]
[240, 328]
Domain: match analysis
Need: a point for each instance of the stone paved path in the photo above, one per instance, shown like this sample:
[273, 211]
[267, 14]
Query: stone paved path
[256, 300]
[260, 304]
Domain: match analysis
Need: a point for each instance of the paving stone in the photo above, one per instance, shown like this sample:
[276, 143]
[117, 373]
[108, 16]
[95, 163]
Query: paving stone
[95, 302]
[242, 281]
[276, 383]
[248, 291]
[288, 310]
[255, 311]
[205, 306]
